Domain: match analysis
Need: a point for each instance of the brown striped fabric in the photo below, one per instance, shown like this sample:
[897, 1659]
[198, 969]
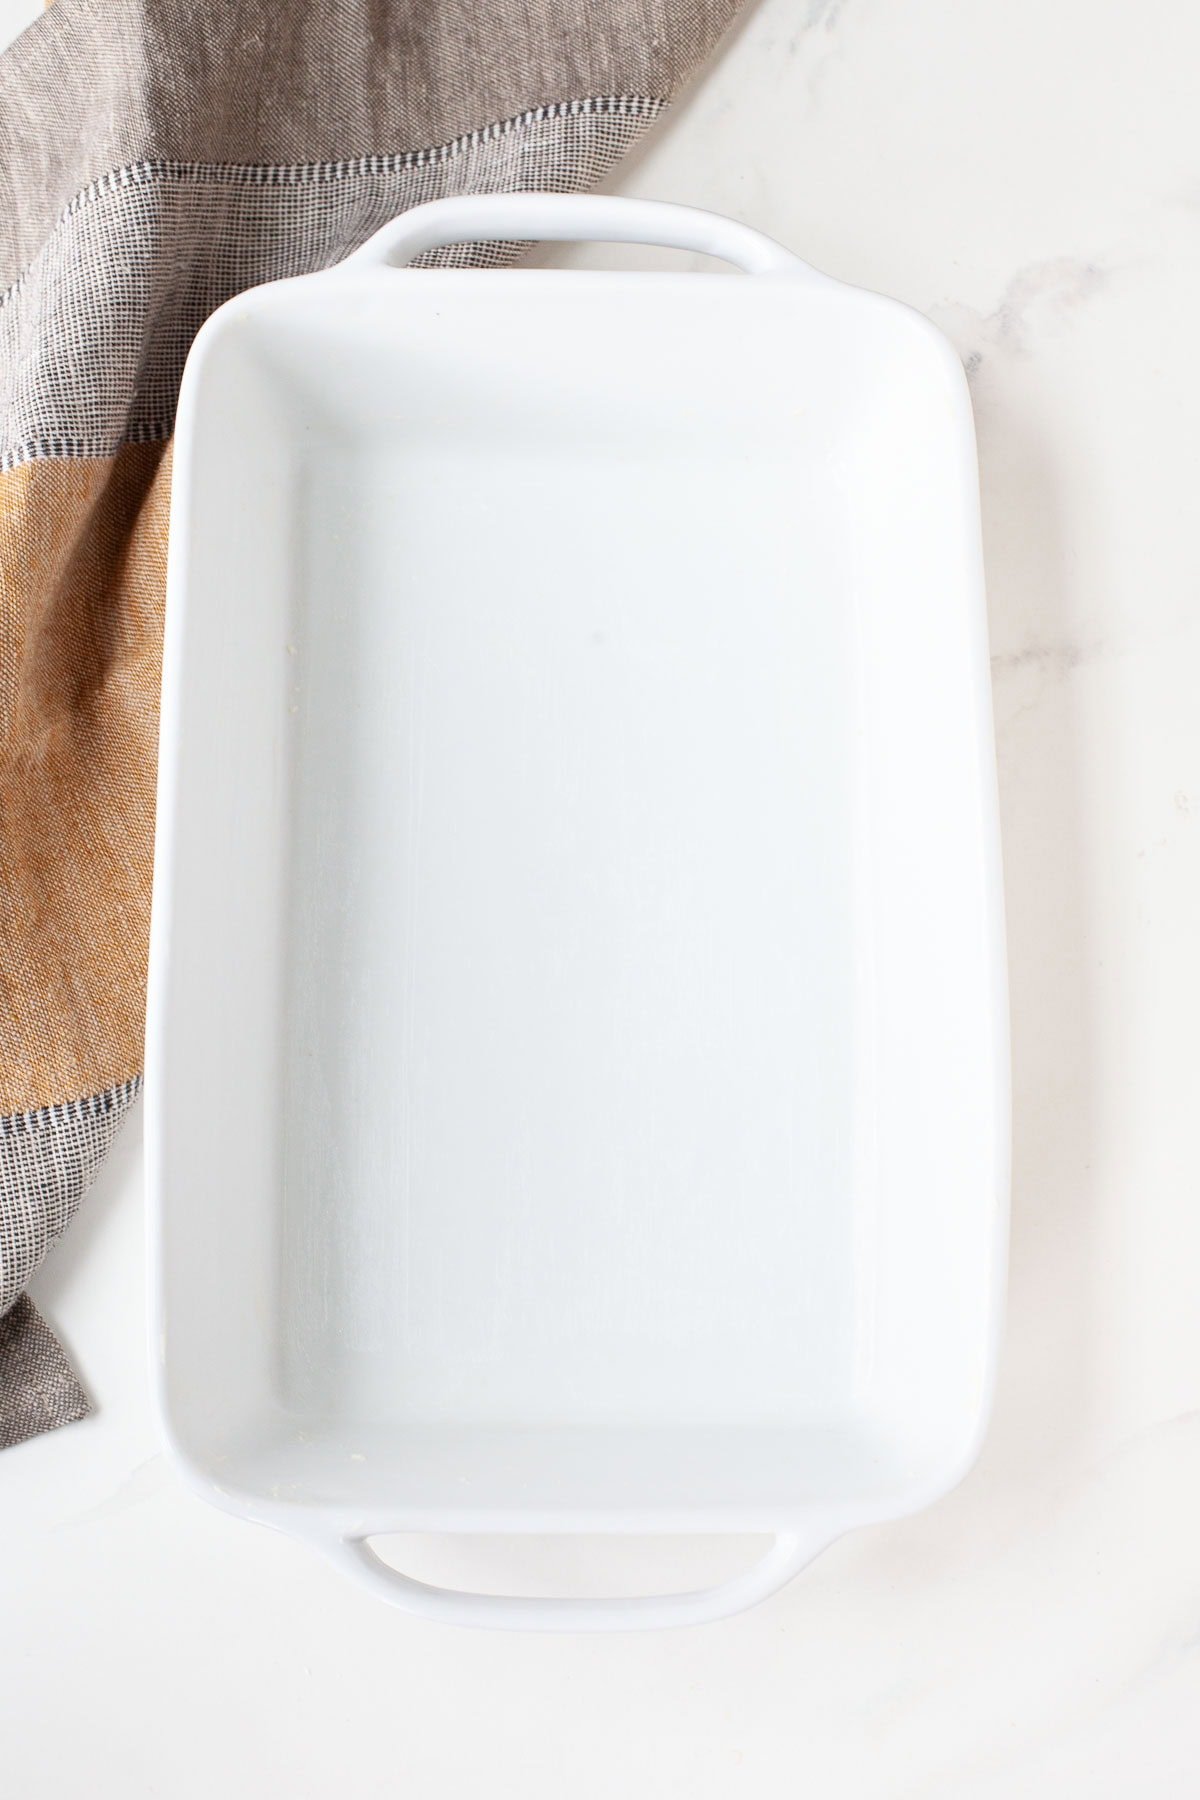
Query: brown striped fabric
[155, 158]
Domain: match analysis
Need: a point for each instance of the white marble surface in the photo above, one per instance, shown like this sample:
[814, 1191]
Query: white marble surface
[1029, 174]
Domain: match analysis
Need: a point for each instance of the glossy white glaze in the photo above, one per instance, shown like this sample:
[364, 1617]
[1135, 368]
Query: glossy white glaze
[577, 805]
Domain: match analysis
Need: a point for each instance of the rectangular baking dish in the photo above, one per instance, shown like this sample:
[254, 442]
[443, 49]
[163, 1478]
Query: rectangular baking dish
[577, 1069]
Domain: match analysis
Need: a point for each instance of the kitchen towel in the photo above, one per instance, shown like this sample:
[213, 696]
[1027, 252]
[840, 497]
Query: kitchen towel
[157, 156]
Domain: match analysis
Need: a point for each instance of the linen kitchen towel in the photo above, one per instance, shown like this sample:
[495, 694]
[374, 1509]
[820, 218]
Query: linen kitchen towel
[157, 156]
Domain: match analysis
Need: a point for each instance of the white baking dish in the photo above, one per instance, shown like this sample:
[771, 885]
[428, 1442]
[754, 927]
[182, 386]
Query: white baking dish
[577, 1050]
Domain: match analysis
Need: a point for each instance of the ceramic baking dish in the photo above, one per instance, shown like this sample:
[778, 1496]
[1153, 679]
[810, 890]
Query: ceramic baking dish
[577, 1049]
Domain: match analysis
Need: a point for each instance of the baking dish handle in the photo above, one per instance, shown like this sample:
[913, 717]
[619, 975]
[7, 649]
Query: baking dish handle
[572, 218]
[787, 1555]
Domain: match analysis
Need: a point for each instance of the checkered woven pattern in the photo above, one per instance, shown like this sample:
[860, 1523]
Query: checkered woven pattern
[225, 228]
[154, 161]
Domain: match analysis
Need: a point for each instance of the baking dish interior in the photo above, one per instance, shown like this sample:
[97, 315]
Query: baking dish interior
[579, 1040]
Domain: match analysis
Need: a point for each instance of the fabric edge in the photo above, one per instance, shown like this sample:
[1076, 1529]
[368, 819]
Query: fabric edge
[39, 1390]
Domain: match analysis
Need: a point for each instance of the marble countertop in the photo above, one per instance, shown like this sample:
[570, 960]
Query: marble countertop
[1029, 176]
